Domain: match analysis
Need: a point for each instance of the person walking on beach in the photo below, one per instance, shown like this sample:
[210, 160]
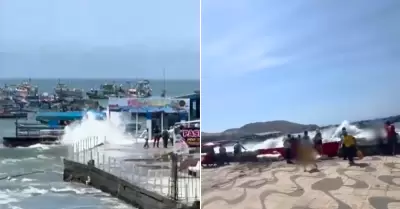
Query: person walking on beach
[237, 149]
[287, 144]
[349, 147]
[341, 149]
[296, 147]
[391, 138]
[318, 142]
[307, 153]
[223, 156]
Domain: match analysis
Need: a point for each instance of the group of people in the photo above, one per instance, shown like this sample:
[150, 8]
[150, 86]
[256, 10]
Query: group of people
[222, 158]
[305, 150]
[158, 134]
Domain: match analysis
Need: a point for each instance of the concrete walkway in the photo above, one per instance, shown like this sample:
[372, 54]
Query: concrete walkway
[375, 183]
[141, 167]
[131, 163]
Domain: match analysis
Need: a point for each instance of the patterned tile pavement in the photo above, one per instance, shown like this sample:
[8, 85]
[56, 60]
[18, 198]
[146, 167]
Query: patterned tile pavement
[374, 183]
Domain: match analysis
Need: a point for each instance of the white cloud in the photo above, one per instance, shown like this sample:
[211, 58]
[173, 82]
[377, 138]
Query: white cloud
[241, 49]
[239, 55]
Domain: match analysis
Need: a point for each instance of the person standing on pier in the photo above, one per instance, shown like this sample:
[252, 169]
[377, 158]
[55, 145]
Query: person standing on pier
[146, 140]
[165, 137]
[171, 138]
[157, 136]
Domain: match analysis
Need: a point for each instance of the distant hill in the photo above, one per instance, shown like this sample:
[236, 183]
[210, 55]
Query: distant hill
[258, 127]
[282, 126]
[277, 125]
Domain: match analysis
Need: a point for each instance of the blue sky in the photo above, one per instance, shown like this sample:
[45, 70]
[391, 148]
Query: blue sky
[303, 61]
[99, 38]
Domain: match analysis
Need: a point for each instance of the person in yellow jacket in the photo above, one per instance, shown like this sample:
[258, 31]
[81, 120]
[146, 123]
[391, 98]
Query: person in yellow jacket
[349, 147]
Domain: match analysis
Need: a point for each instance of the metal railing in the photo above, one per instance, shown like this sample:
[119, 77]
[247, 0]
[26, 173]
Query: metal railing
[186, 183]
[166, 174]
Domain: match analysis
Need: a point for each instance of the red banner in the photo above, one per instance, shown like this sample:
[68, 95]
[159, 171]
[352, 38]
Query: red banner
[191, 136]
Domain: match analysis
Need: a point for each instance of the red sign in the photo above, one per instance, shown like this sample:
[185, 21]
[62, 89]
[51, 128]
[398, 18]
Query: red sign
[134, 103]
[191, 136]
[191, 133]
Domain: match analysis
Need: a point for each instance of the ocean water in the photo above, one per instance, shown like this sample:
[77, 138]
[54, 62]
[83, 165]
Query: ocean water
[31, 178]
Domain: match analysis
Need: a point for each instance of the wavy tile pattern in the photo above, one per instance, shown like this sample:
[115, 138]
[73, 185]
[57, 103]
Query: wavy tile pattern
[374, 183]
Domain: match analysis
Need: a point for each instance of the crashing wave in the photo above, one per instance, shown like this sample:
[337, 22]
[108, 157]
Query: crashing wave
[331, 134]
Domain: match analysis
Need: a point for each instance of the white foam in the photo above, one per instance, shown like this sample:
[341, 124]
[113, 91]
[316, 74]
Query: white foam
[33, 190]
[117, 204]
[69, 189]
[10, 161]
[329, 135]
[44, 157]
[27, 180]
[13, 161]
[12, 196]
[108, 131]
[6, 199]
[37, 146]
[14, 207]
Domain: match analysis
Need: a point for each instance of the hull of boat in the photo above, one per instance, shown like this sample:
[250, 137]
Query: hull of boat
[64, 94]
[28, 141]
[91, 96]
[13, 115]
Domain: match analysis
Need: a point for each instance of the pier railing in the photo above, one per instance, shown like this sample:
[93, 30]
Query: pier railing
[167, 174]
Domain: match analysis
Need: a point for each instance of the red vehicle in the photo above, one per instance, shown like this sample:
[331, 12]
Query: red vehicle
[330, 149]
[208, 156]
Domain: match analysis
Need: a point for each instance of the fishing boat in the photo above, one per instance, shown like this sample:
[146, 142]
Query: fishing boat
[63, 91]
[27, 88]
[106, 91]
[6, 114]
[9, 109]
[20, 92]
[141, 89]
[30, 133]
